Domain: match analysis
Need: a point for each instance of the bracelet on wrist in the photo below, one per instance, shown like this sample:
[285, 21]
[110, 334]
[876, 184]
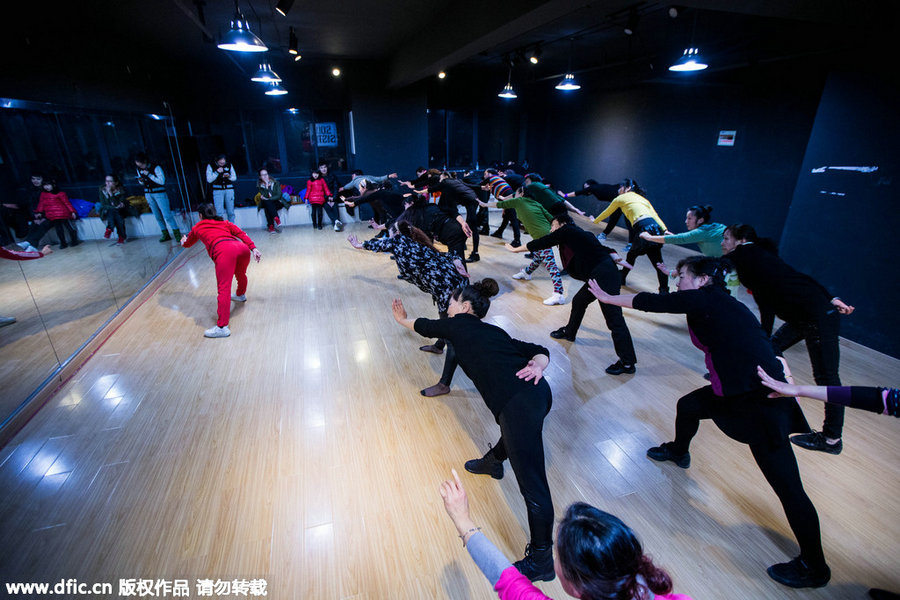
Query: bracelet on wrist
[463, 535]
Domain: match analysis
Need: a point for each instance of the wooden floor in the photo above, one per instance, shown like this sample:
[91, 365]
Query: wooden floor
[300, 451]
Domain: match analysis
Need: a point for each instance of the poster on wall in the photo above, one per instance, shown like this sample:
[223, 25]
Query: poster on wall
[326, 135]
[726, 138]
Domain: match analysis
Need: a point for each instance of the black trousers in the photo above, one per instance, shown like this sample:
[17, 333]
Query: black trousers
[115, 219]
[822, 344]
[607, 276]
[472, 222]
[641, 247]
[316, 211]
[509, 217]
[39, 230]
[522, 442]
[271, 208]
[451, 235]
[333, 211]
[777, 463]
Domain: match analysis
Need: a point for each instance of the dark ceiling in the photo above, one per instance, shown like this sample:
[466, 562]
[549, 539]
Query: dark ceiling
[172, 41]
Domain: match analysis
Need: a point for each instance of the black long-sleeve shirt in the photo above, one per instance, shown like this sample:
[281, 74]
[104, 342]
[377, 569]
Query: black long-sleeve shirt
[727, 333]
[580, 250]
[454, 192]
[779, 289]
[488, 355]
[604, 192]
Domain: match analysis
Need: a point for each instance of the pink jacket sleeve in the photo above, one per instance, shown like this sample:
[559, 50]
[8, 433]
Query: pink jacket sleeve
[512, 585]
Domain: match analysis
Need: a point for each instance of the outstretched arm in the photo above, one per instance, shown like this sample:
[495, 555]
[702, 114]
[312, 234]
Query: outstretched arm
[354, 241]
[623, 300]
[841, 306]
[534, 370]
[400, 315]
[658, 239]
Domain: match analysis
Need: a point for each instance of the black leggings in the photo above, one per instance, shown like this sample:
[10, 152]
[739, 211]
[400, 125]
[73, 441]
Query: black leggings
[607, 276]
[522, 442]
[509, 216]
[823, 346]
[777, 463]
[115, 219]
[640, 247]
[271, 209]
[472, 222]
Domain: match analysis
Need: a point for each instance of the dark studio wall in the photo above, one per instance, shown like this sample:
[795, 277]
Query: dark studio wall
[843, 222]
[391, 130]
[664, 134]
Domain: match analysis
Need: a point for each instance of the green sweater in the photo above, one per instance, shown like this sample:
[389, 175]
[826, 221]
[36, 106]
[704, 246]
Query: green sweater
[542, 194]
[708, 237]
[534, 216]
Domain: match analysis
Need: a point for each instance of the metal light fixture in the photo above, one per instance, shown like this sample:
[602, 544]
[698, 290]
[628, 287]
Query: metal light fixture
[535, 55]
[265, 74]
[276, 90]
[298, 57]
[293, 44]
[336, 72]
[284, 6]
[239, 38]
[442, 75]
[689, 61]
[633, 19]
[508, 91]
[568, 83]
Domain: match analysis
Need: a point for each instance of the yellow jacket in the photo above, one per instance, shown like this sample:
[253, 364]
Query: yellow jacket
[633, 205]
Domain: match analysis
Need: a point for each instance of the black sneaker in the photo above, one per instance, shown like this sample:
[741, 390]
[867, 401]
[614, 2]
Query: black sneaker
[537, 565]
[473, 257]
[515, 243]
[486, 465]
[620, 368]
[497, 234]
[663, 452]
[816, 441]
[562, 334]
[530, 255]
[797, 574]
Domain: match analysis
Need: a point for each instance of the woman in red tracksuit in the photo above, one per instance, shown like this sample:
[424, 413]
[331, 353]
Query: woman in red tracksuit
[56, 208]
[316, 192]
[230, 248]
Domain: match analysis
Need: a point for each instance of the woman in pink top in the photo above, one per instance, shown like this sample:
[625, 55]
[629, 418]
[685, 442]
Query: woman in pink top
[230, 249]
[316, 192]
[54, 205]
[598, 557]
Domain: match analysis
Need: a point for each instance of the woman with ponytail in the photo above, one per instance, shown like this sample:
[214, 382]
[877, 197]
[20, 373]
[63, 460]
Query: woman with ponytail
[809, 311]
[701, 230]
[598, 556]
[737, 402]
[509, 375]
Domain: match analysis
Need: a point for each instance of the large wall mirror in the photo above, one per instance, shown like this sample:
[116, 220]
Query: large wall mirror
[59, 301]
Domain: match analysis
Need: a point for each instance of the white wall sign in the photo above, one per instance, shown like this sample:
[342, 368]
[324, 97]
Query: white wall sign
[326, 135]
[726, 138]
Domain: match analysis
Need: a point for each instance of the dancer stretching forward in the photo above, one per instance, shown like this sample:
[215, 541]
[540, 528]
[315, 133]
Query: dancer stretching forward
[230, 248]
[509, 375]
[734, 344]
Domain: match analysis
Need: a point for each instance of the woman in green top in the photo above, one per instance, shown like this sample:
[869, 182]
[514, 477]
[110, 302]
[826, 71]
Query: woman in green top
[701, 231]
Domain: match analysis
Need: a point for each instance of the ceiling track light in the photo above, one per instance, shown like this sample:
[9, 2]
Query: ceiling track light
[534, 56]
[293, 43]
[284, 6]
[239, 38]
[276, 90]
[442, 75]
[633, 20]
[265, 74]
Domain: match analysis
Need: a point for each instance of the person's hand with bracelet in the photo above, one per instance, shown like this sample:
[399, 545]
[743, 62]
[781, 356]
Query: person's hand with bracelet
[456, 503]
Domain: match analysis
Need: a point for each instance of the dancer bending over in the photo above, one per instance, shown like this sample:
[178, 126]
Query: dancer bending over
[509, 375]
[230, 249]
[734, 344]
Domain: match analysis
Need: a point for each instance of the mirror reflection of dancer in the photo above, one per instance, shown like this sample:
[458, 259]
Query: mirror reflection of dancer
[509, 375]
[230, 249]
[809, 312]
[220, 175]
[17, 255]
[735, 344]
[153, 179]
[599, 556]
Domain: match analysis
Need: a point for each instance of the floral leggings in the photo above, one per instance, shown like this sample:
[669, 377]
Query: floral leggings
[546, 257]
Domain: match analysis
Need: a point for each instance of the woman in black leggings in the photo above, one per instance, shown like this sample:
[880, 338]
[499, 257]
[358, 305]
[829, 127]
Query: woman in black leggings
[734, 345]
[509, 375]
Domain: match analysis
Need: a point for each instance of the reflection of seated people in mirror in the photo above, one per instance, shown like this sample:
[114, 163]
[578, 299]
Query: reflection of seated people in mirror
[114, 207]
[15, 213]
[54, 210]
[17, 255]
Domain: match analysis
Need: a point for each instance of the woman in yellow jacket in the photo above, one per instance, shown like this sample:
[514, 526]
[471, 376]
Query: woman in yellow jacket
[642, 216]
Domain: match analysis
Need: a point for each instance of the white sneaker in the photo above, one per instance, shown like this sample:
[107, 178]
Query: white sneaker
[338, 226]
[522, 275]
[217, 332]
[555, 299]
[601, 237]
[241, 298]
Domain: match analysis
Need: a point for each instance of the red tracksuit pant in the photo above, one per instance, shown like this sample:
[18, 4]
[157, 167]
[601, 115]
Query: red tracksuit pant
[231, 259]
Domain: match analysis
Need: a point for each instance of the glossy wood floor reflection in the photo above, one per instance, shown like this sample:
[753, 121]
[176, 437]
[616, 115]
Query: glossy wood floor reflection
[300, 451]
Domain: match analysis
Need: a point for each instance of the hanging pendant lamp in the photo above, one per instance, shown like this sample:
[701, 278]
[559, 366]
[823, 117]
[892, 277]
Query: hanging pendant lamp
[568, 83]
[690, 60]
[239, 38]
[265, 74]
[276, 90]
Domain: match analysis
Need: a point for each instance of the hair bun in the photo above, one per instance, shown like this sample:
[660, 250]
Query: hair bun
[487, 287]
